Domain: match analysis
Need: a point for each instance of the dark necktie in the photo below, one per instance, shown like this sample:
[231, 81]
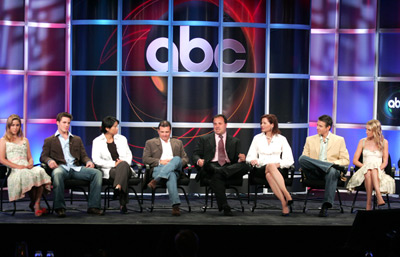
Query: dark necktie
[221, 152]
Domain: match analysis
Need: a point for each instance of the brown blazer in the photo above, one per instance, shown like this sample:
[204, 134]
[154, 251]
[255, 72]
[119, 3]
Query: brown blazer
[52, 151]
[153, 150]
[336, 150]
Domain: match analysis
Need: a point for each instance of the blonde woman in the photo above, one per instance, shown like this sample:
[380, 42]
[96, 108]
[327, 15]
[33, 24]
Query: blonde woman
[24, 178]
[374, 150]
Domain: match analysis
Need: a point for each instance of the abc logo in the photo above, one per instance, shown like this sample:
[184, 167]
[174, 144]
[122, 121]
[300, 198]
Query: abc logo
[187, 45]
[394, 104]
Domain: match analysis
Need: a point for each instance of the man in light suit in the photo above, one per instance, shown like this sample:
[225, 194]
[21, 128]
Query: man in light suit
[166, 157]
[217, 165]
[324, 156]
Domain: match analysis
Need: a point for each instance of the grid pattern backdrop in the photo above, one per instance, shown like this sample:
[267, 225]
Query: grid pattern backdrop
[185, 61]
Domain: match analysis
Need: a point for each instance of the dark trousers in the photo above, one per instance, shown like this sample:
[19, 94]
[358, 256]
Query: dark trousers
[121, 175]
[218, 179]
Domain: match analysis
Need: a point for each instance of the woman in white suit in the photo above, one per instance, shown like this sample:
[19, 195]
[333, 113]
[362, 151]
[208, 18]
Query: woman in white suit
[111, 153]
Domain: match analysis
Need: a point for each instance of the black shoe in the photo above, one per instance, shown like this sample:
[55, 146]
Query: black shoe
[123, 209]
[285, 214]
[324, 210]
[228, 211]
[60, 212]
[116, 193]
[95, 211]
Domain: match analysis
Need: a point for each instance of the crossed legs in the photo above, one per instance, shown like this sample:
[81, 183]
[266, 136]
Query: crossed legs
[277, 184]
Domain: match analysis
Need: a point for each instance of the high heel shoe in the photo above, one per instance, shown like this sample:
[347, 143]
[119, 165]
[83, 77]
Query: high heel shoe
[38, 213]
[285, 214]
[116, 193]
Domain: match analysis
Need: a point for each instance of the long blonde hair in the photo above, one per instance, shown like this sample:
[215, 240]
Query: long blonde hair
[7, 134]
[376, 129]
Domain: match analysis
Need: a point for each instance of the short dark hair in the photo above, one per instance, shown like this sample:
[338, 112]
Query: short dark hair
[164, 123]
[63, 114]
[108, 122]
[273, 120]
[327, 119]
[220, 116]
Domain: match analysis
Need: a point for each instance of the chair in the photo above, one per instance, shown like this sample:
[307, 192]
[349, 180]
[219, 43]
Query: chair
[232, 183]
[72, 185]
[388, 170]
[4, 173]
[183, 180]
[319, 184]
[261, 182]
[133, 181]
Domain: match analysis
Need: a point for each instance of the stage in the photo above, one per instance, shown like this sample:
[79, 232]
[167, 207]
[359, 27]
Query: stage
[152, 233]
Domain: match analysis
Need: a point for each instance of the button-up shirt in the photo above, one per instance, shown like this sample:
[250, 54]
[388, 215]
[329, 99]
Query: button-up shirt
[67, 153]
[323, 148]
[217, 138]
[166, 150]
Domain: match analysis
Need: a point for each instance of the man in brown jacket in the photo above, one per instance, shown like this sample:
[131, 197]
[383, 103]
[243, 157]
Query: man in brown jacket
[166, 156]
[65, 154]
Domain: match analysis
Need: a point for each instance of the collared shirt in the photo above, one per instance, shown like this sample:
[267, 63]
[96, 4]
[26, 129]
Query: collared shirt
[67, 153]
[217, 138]
[323, 146]
[277, 151]
[166, 150]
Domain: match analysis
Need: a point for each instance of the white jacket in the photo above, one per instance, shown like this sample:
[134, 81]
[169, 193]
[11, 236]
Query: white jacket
[101, 156]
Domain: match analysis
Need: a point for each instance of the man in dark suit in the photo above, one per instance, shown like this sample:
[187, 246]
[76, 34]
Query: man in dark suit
[65, 154]
[217, 157]
[166, 157]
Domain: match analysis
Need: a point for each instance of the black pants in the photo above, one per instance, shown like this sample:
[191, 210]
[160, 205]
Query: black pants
[121, 175]
[218, 181]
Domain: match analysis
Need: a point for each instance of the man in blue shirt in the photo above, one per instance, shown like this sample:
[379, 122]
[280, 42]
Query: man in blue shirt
[65, 154]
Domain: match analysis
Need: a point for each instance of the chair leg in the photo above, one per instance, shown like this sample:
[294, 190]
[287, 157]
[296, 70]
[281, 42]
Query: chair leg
[255, 198]
[388, 201]
[153, 196]
[15, 208]
[187, 199]
[207, 189]
[138, 199]
[354, 201]
[239, 198]
[305, 202]
[340, 201]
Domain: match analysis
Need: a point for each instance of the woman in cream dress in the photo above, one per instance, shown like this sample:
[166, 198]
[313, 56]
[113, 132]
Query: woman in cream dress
[374, 149]
[24, 177]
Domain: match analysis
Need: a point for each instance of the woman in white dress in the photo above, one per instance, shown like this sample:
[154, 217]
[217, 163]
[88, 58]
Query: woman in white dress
[24, 177]
[374, 150]
[268, 152]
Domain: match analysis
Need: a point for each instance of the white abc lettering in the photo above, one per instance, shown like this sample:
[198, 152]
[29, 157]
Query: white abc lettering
[186, 46]
[394, 103]
[235, 46]
[151, 57]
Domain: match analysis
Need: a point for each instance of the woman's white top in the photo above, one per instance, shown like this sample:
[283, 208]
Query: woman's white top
[101, 156]
[278, 151]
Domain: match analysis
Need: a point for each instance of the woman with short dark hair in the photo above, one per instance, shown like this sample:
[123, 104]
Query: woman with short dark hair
[111, 153]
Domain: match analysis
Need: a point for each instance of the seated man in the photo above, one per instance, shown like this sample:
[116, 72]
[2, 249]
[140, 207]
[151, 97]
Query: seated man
[166, 157]
[217, 158]
[322, 157]
[65, 154]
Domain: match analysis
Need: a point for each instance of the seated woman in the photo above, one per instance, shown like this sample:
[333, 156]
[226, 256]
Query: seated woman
[24, 177]
[374, 149]
[111, 153]
[268, 152]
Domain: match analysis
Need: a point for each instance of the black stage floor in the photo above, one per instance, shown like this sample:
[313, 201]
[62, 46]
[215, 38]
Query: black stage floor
[263, 232]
